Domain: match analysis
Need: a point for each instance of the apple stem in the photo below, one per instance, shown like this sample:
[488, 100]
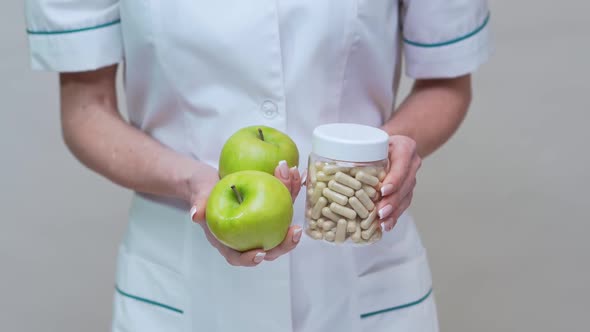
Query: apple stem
[260, 133]
[240, 200]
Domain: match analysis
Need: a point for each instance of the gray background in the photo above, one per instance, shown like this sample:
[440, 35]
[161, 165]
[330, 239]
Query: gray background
[502, 207]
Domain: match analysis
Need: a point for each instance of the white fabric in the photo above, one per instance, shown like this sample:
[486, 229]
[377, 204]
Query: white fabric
[445, 38]
[196, 71]
[74, 35]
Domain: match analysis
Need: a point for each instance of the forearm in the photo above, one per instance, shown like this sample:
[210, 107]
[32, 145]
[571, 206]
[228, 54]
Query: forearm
[99, 137]
[432, 112]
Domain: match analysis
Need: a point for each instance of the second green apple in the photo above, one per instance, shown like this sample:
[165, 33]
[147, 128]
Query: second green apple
[257, 148]
[248, 210]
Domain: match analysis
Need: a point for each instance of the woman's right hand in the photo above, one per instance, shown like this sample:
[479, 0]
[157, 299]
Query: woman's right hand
[201, 185]
[132, 159]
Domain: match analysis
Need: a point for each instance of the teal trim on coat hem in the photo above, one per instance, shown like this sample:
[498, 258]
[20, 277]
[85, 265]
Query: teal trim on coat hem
[141, 299]
[61, 32]
[452, 41]
[403, 306]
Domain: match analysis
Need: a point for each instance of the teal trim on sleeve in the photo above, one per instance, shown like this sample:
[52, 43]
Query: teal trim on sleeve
[144, 300]
[61, 32]
[452, 41]
[403, 306]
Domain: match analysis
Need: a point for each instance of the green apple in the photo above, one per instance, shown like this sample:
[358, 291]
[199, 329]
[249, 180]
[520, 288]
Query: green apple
[248, 210]
[257, 148]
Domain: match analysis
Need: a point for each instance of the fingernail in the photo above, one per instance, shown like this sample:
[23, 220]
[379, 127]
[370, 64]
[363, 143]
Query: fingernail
[385, 211]
[192, 212]
[259, 257]
[297, 235]
[294, 171]
[304, 176]
[386, 189]
[284, 169]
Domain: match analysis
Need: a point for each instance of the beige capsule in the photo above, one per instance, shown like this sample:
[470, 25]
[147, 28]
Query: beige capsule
[330, 236]
[312, 224]
[319, 165]
[317, 192]
[312, 174]
[365, 199]
[382, 174]
[331, 169]
[348, 180]
[317, 208]
[341, 231]
[376, 236]
[320, 223]
[328, 213]
[371, 170]
[367, 222]
[360, 209]
[366, 179]
[351, 226]
[356, 237]
[321, 176]
[328, 225]
[334, 196]
[366, 234]
[340, 188]
[370, 191]
[308, 213]
[315, 234]
[343, 211]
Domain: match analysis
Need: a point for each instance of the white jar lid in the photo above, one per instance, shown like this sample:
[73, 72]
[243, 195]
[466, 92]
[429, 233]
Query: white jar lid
[350, 142]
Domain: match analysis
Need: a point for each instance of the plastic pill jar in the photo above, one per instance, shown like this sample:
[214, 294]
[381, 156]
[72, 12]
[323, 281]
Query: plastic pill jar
[345, 169]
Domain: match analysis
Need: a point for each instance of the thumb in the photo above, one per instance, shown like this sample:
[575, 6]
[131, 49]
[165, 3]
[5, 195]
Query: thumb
[197, 212]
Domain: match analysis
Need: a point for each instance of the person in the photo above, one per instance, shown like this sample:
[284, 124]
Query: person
[195, 72]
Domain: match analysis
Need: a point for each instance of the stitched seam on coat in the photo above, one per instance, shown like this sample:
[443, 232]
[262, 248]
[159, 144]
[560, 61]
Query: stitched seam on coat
[403, 306]
[148, 301]
[61, 32]
[452, 41]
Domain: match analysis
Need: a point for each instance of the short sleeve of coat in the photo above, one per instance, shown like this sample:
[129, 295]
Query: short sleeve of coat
[73, 35]
[445, 38]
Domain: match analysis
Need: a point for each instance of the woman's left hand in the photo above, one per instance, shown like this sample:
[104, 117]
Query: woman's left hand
[397, 188]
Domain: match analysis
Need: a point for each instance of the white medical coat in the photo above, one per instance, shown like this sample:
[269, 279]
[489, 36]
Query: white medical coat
[195, 72]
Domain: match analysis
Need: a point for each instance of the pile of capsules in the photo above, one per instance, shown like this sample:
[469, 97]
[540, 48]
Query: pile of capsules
[341, 203]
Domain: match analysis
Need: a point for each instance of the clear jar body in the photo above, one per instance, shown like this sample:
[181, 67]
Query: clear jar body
[341, 200]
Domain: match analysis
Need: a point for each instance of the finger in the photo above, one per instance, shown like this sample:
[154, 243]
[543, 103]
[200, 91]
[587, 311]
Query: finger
[283, 173]
[403, 206]
[289, 243]
[197, 211]
[389, 204]
[233, 257]
[402, 152]
[295, 182]
[247, 258]
[304, 178]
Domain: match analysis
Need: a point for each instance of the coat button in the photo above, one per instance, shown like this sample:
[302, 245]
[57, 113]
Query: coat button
[269, 109]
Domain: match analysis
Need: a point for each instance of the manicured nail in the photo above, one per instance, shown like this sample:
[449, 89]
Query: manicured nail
[294, 171]
[385, 211]
[297, 235]
[386, 189]
[284, 169]
[259, 257]
[303, 177]
[192, 212]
